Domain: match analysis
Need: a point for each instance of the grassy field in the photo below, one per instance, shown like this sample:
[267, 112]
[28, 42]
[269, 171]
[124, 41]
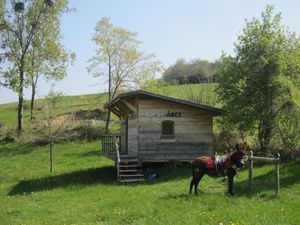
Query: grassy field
[83, 190]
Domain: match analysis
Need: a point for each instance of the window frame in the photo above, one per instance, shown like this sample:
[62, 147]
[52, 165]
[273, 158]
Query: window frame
[168, 136]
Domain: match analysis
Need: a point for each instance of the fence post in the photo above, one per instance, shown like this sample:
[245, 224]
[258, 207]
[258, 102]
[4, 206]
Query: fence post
[277, 180]
[250, 173]
[101, 150]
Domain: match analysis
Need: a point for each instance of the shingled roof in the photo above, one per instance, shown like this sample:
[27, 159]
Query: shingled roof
[137, 93]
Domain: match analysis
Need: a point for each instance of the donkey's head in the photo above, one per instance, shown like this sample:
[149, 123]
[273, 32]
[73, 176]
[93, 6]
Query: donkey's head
[238, 157]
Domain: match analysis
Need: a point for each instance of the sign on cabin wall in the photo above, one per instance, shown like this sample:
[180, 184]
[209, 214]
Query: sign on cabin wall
[162, 114]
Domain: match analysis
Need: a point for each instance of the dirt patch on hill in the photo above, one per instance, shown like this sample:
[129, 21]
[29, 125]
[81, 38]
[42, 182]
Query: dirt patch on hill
[96, 114]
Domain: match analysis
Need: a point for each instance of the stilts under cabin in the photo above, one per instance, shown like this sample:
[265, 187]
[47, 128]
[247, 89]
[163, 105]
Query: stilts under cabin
[157, 128]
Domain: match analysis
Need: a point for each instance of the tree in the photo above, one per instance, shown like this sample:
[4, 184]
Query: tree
[288, 131]
[47, 58]
[195, 71]
[257, 84]
[50, 128]
[119, 59]
[20, 23]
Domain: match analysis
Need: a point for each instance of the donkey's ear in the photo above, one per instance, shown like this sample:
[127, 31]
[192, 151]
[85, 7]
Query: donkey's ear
[237, 146]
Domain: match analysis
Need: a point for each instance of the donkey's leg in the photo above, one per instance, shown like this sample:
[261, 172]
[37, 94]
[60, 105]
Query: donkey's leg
[191, 185]
[230, 185]
[197, 180]
[230, 174]
[192, 182]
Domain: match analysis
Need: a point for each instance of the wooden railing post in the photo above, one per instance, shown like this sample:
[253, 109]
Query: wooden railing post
[264, 159]
[109, 144]
[250, 173]
[118, 160]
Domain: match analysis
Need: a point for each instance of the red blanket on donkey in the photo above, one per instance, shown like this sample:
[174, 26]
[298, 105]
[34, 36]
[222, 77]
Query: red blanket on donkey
[210, 163]
[223, 165]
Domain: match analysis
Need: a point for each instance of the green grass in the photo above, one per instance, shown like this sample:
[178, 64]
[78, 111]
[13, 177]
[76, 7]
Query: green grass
[68, 104]
[200, 93]
[83, 190]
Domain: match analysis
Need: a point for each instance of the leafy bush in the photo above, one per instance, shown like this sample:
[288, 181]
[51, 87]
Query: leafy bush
[195, 71]
[7, 135]
[287, 133]
[225, 141]
[90, 114]
[88, 133]
[82, 132]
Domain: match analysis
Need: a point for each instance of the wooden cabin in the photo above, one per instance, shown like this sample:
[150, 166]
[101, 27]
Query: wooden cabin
[160, 128]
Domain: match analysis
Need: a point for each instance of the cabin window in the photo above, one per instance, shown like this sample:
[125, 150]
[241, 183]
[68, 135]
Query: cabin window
[167, 129]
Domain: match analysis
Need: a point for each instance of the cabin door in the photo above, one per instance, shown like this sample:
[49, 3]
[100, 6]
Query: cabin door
[124, 137]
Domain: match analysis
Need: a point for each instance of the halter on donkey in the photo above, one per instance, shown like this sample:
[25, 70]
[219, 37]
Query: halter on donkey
[227, 166]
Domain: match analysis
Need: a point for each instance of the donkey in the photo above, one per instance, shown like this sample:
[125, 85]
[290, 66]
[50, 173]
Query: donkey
[227, 167]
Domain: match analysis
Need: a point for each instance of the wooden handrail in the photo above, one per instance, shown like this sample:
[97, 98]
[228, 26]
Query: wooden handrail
[117, 149]
[118, 160]
[111, 148]
[109, 142]
[264, 159]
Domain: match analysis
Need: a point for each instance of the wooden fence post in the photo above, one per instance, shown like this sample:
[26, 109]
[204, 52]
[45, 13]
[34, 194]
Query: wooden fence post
[264, 159]
[250, 174]
[277, 180]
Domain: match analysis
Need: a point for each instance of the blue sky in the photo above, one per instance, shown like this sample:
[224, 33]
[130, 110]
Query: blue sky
[171, 29]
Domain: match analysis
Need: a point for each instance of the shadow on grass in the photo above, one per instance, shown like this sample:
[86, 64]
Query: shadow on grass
[103, 175]
[289, 175]
[165, 175]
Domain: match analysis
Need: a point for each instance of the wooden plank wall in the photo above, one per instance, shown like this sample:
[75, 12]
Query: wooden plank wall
[123, 135]
[193, 131]
[133, 135]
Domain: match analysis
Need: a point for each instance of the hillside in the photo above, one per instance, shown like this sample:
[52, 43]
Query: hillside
[72, 104]
[8, 112]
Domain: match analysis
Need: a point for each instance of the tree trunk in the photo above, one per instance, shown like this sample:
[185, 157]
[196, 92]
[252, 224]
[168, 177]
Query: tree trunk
[107, 122]
[265, 134]
[51, 156]
[21, 101]
[109, 97]
[32, 101]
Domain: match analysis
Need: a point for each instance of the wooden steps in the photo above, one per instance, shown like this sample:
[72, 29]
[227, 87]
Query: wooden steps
[130, 169]
[132, 180]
